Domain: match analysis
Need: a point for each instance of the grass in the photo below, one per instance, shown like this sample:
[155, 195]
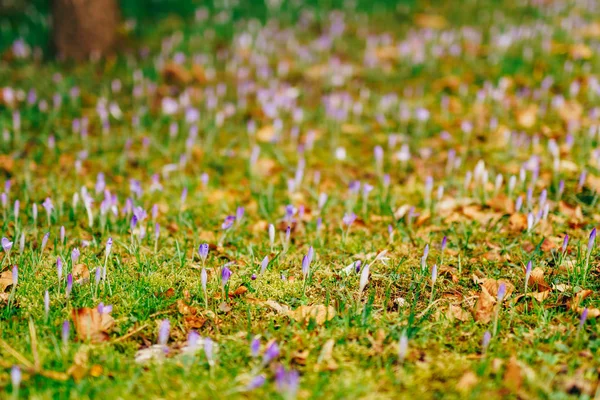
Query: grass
[287, 129]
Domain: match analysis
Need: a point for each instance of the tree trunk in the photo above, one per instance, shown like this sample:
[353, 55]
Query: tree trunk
[84, 28]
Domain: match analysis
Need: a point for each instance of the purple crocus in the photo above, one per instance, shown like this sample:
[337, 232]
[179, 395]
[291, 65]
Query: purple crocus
[565, 244]
[59, 268]
[228, 222]
[46, 303]
[271, 353]
[501, 292]
[15, 276]
[15, 378]
[65, 332]
[305, 266]
[591, 241]
[209, 350]
[225, 275]
[69, 284]
[256, 382]
[349, 219]
[163, 332]
[287, 382]
[203, 252]
[584, 315]
[264, 264]
[485, 342]
[109, 243]
[528, 273]
[444, 243]
[45, 241]
[75, 255]
[239, 214]
[6, 244]
[255, 346]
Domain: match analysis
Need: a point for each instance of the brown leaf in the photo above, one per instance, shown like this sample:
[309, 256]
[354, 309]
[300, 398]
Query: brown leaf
[537, 281]
[6, 280]
[517, 222]
[513, 377]
[194, 321]
[240, 291]
[467, 381]
[325, 360]
[502, 203]
[300, 357]
[319, 312]
[431, 21]
[456, 312]
[91, 325]
[492, 286]
[527, 117]
[175, 74]
[81, 273]
[266, 134]
[484, 308]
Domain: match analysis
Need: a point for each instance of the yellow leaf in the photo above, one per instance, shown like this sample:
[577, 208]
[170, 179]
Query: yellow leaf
[319, 312]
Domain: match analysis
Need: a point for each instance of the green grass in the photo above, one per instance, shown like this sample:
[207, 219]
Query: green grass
[539, 350]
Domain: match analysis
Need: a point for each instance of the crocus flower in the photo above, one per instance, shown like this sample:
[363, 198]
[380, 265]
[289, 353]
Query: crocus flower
[364, 279]
[501, 292]
[434, 271]
[444, 243]
[527, 273]
[75, 255]
[225, 275]
[271, 353]
[15, 276]
[45, 241]
[591, 241]
[59, 268]
[203, 279]
[228, 222]
[6, 244]
[193, 341]
[239, 214]
[163, 332]
[109, 243]
[305, 266]
[402, 347]
[203, 251]
[584, 315]
[348, 219]
[264, 264]
[255, 346]
[69, 284]
[15, 378]
[256, 382]
[287, 382]
[565, 244]
[65, 332]
[46, 303]
[209, 350]
[485, 342]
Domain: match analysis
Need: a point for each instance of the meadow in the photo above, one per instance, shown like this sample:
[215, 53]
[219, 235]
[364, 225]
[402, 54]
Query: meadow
[312, 200]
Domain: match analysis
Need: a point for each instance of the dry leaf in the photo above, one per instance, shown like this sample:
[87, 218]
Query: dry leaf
[175, 74]
[240, 291]
[492, 286]
[537, 281]
[484, 308]
[325, 360]
[456, 312]
[513, 377]
[6, 280]
[91, 325]
[81, 273]
[517, 222]
[266, 134]
[527, 116]
[319, 312]
[467, 381]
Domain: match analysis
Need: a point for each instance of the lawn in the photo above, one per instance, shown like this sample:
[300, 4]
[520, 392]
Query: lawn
[307, 200]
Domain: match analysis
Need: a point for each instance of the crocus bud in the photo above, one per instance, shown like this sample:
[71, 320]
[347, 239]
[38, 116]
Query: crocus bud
[163, 332]
[364, 279]
[203, 251]
[264, 264]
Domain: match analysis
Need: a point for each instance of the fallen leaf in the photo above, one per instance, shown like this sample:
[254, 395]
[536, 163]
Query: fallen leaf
[81, 274]
[325, 360]
[240, 291]
[175, 74]
[266, 134]
[467, 381]
[527, 117]
[6, 280]
[537, 281]
[492, 286]
[513, 377]
[456, 312]
[484, 307]
[91, 325]
[319, 312]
